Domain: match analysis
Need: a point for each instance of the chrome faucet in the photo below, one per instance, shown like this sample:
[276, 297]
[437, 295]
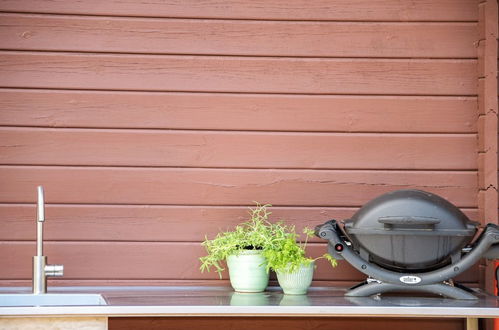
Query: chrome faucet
[40, 268]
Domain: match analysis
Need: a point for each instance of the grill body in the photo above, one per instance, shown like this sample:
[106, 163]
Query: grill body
[409, 240]
[410, 230]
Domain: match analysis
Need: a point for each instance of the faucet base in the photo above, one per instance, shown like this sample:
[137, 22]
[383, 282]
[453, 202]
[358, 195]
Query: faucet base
[39, 277]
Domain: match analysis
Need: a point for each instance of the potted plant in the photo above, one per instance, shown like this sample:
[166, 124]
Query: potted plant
[243, 250]
[287, 258]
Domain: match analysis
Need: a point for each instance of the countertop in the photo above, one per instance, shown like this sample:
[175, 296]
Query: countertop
[223, 301]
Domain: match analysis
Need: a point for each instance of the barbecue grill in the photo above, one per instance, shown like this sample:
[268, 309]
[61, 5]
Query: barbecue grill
[410, 240]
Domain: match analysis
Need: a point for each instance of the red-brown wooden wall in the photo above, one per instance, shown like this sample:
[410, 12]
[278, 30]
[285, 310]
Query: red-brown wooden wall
[151, 124]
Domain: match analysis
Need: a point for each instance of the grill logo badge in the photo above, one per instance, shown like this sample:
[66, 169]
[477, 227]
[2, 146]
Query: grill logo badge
[410, 279]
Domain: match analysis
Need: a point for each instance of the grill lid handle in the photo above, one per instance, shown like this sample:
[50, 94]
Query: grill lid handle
[408, 220]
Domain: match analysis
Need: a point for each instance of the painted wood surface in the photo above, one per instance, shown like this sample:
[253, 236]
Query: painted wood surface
[324, 113]
[153, 123]
[236, 37]
[356, 10]
[146, 260]
[152, 223]
[238, 74]
[488, 109]
[173, 186]
[28, 146]
[135, 260]
[488, 125]
[295, 323]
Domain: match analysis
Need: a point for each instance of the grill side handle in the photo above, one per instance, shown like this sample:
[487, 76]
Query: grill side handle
[330, 231]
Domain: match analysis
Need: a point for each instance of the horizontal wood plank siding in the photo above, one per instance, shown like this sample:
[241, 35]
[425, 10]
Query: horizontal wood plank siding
[154, 223]
[154, 123]
[238, 74]
[336, 113]
[28, 146]
[230, 37]
[357, 10]
[102, 260]
[226, 186]
[144, 260]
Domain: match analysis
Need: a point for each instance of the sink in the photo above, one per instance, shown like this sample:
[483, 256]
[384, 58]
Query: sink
[51, 299]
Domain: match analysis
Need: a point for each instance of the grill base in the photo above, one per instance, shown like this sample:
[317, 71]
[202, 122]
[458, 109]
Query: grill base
[368, 289]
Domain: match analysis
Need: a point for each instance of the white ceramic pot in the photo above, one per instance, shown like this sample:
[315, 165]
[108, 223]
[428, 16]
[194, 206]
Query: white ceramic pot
[247, 271]
[296, 282]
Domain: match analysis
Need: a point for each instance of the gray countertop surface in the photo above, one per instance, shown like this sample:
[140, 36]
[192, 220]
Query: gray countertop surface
[223, 301]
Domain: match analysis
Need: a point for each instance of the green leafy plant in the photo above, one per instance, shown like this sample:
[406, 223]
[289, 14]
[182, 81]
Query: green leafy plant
[255, 234]
[277, 241]
[287, 254]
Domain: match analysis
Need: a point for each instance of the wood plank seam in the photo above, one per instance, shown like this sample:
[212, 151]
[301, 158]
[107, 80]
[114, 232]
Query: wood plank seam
[236, 93]
[236, 19]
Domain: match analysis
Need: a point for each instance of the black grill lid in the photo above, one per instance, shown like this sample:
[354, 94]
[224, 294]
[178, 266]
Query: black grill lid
[410, 230]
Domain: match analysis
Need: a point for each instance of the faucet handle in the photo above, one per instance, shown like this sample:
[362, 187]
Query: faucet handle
[54, 270]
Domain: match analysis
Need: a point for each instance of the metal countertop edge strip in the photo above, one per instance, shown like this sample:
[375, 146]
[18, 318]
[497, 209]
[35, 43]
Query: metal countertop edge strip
[252, 311]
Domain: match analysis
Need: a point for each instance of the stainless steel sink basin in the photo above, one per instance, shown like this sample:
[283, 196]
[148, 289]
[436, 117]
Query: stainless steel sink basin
[51, 299]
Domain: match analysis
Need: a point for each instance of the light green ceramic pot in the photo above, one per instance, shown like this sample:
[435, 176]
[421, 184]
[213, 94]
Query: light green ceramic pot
[247, 271]
[298, 281]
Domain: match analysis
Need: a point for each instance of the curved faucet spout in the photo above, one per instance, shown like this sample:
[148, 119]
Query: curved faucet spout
[40, 268]
[40, 217]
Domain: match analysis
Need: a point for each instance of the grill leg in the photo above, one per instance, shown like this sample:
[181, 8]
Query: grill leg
[373, 288]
